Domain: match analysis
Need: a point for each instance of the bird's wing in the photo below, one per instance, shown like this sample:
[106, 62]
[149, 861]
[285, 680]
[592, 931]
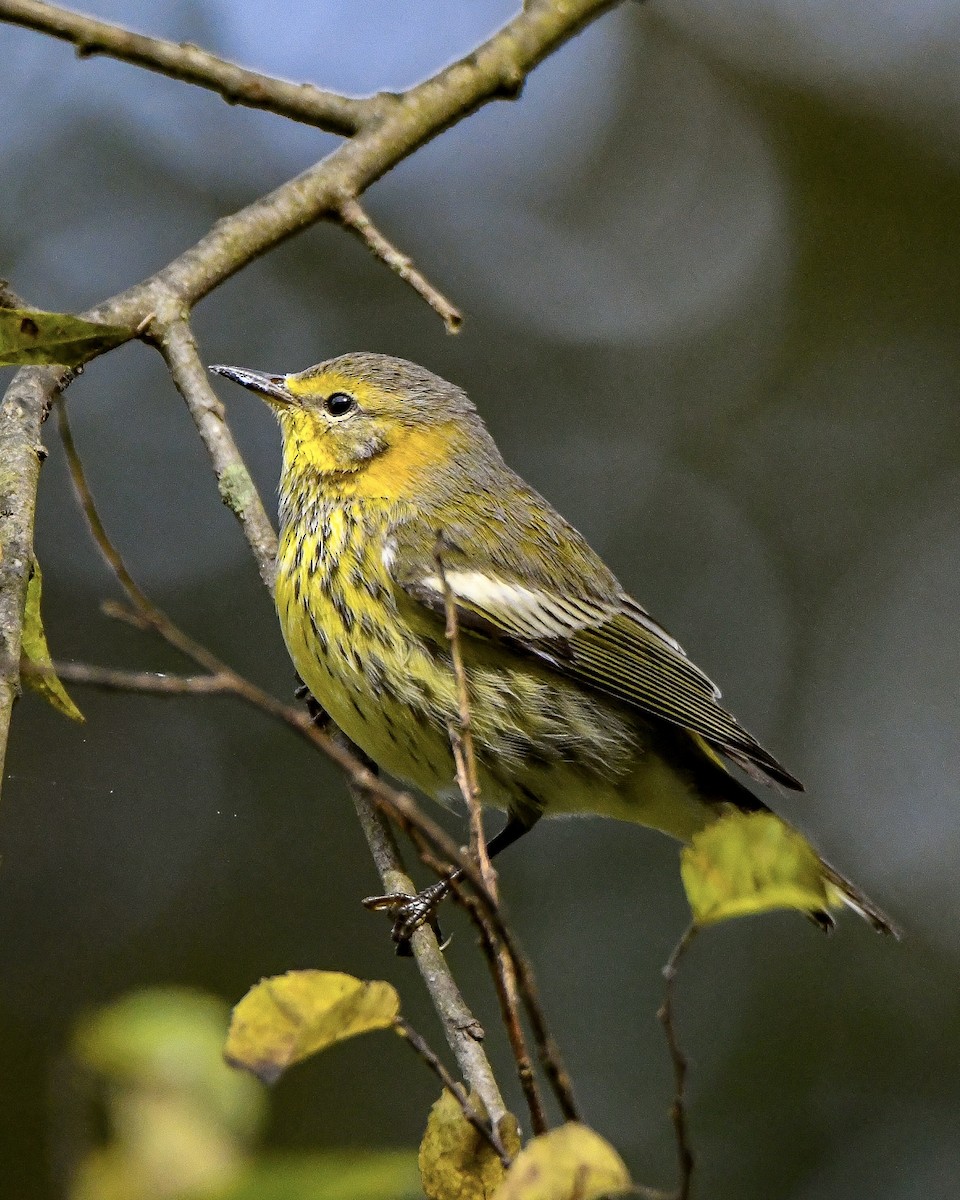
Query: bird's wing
[614, 647]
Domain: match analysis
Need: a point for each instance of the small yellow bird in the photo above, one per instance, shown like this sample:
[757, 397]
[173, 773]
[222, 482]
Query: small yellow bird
[580, 701]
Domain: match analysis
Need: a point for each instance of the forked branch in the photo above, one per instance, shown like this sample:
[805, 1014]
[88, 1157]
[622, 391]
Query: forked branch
[184, 61]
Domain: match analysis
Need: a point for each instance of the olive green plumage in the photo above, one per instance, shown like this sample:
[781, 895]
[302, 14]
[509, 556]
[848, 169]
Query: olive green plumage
[580, 700]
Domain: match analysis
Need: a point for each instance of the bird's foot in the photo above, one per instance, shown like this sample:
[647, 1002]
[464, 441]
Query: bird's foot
[410, 912]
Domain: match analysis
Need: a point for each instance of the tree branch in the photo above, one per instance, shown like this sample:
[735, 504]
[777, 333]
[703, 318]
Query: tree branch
[484, 1126]
[495, 70]
[237, 489]
[505, 981]
[22, 412]
[356, 220]
[148, 683]
[678, 1111]
[181, 60]
[461, 732]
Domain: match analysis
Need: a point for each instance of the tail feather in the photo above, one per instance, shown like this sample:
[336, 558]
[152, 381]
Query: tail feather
[724, 789]
[850, 895]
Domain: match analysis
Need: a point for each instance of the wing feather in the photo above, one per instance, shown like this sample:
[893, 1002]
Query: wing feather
[614, 647]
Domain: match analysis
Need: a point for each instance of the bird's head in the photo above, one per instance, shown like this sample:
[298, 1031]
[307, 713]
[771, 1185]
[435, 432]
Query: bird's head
[371, 421]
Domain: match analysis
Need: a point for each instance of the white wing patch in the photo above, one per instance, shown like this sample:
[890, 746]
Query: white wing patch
[530, 613]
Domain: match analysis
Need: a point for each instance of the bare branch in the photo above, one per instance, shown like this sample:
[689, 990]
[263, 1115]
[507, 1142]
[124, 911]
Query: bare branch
[237, 489]
[78, 477]
[547, 1049]
[461, 733]
[150, 683]
[148, 615]
[678, 1112]
[356, 220]
[505, 981]
[22, 412]
[463, 1031]
[485, 1127]
[181, 60]
[496, 69]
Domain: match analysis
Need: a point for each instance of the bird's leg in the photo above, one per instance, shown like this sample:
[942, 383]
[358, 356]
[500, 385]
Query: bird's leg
[410, 912]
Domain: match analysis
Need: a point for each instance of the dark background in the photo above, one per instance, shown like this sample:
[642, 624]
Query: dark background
[709, 266]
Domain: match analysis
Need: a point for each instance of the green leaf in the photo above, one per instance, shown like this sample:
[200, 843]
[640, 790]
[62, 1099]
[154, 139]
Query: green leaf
[456, 1163]
[29, 336]
[747, 863]
[287, 1018]
[169, 1042]
[35, 650]
[330, 1175]
[568, 1162]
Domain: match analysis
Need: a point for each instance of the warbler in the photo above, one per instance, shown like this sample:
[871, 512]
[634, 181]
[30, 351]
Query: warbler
[392, 491]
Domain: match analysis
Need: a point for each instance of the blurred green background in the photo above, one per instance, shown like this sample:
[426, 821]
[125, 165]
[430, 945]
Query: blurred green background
[709, 264]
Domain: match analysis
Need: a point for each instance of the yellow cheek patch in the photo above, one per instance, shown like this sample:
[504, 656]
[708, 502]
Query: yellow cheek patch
[339, 449]
[411, 456]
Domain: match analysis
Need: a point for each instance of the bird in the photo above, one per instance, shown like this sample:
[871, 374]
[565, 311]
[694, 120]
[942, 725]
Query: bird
[394, 500]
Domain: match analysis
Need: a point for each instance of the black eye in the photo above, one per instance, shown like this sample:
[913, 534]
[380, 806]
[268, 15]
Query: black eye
[339, 404]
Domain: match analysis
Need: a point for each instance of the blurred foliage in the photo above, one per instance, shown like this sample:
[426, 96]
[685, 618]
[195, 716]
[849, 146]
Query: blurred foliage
[181, 1125]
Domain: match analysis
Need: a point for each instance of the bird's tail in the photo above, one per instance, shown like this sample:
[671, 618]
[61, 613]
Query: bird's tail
[840, 891]
[844, 892]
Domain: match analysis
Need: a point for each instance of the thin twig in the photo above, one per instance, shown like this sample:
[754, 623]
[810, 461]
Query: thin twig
[486, 1129]
[354, 218]
[464, 1032]
[488, 917]
[152, 683]
[78, 477]
[184, 61]
[505, 982]
[461, 733]
[237, 489]
[678, 1112]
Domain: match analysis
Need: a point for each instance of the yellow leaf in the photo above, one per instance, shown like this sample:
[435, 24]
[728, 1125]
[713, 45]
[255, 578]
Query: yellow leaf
[569, 1163]
[747, 863]
[29, 336]
[287, 1018]
[34, 649]
[456, 1163]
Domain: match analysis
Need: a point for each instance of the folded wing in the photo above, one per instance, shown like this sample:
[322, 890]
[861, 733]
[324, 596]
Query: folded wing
[611, 646]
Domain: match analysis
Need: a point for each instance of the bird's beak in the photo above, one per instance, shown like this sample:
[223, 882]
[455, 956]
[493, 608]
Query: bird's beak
[272, 388]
